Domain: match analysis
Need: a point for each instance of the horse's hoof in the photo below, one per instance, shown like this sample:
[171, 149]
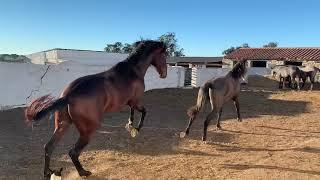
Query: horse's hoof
[128, 127]
[134, 132]
[182, 134]
[84, 173]
[218, 128]
[239, 119]
[204, 138]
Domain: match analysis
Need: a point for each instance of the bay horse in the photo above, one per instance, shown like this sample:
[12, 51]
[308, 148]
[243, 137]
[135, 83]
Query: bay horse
[218, 91]
[84, 101]
[311, 72]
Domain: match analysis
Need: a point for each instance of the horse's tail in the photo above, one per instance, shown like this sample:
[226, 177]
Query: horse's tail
[42, 106]
[203, 95]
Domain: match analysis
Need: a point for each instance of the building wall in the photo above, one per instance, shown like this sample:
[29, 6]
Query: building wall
[201, 75]
[91, 57]
[44, 57]
[56, 56]
[23, 82]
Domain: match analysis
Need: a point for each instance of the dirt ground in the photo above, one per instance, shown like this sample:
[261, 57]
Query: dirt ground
[279, 138]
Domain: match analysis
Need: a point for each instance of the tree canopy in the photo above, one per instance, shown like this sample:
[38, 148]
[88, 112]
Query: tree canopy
[14, 58]
[168, 38]
[271, 44]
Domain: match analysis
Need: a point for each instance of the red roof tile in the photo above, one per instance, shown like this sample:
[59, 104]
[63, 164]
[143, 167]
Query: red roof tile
[307, 54]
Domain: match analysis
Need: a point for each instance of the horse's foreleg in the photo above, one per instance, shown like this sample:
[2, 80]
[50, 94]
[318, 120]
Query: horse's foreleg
[312, 82]
[237, 106]
[143, 112]
[131, 119]
[49, 147]
[280, 83]
[74, 154]
[134, 131]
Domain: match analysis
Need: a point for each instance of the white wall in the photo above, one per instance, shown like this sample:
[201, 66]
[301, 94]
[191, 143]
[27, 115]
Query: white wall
[86, 57]
[91, 57]
[20, 81]
[201, 75]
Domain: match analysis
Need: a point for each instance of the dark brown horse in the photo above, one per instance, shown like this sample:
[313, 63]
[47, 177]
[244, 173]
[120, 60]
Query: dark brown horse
[84, 101]
[218, 91]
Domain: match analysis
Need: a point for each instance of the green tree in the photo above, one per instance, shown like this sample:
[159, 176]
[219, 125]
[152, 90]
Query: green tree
[14, 58]
[169, 39]
[127, 48]
[114, 48]
[172, 44]
[271, 44]
[231, 49]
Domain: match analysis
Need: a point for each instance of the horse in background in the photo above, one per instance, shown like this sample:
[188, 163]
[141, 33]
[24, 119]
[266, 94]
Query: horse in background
[289, 73]
[84, 101]
[309, 72]
[218, 91]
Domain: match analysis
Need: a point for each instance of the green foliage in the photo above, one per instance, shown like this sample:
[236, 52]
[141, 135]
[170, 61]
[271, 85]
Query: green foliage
[14, 58]
[231, 49]
[172, 43]
[271, 44]
[169, 39]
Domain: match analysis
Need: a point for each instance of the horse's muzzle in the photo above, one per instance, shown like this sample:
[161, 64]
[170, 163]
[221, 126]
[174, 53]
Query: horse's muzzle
[163, 73]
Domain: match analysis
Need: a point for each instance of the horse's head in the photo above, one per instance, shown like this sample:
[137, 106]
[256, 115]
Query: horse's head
[159, 61]
[239, 70]
[157, 51]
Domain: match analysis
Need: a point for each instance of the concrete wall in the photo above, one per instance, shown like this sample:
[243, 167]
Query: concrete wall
[91, 57]
[56, 56]
[201, 75]
[20, 83]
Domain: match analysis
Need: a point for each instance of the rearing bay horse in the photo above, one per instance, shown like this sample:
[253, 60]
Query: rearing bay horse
[218, 91]
[84, 101]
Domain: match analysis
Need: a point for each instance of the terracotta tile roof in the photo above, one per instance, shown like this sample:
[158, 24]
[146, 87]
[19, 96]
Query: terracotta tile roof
[307, 54]
[194, 59]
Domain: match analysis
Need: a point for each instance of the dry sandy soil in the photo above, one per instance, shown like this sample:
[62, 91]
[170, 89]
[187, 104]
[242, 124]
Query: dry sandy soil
[279, 138]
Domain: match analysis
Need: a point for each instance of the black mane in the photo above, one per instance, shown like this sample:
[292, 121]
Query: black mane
[144, 48]
[238, 70]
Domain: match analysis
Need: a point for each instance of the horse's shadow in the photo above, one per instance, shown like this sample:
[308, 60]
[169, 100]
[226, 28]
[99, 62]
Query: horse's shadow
[248, 166]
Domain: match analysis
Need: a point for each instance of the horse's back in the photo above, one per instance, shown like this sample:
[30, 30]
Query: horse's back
[85, 85]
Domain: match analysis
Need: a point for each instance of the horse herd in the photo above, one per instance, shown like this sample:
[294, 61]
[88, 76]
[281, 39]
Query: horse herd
[84, 101]
[294, 75]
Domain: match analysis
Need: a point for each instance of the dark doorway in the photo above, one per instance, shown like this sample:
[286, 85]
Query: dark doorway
[295, 63]
[259, 64]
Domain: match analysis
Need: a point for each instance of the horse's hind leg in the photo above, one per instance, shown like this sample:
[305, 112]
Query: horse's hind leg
[61, 126]
[237, 106]
[74, 154]
[206, 124]
[186, 132]
[218, 119]
[86, 128]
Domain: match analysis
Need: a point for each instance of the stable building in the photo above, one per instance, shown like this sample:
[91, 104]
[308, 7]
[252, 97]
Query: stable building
[269, 57]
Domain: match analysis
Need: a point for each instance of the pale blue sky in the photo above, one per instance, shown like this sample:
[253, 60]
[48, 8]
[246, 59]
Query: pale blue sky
[203, 28]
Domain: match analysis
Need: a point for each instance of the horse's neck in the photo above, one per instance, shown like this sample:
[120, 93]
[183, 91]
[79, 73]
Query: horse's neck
[143, 65]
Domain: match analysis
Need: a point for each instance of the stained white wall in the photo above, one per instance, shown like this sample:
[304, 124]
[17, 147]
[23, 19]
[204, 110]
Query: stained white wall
[20, 83]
